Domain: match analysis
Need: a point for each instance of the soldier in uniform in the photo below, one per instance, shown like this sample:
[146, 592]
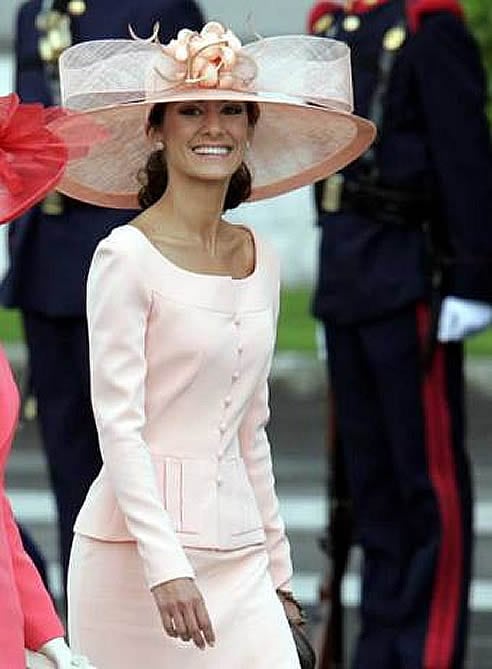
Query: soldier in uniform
[405, 273]
[52, 245]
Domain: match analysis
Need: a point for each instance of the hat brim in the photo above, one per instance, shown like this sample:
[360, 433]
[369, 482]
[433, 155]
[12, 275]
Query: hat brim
[295, 143]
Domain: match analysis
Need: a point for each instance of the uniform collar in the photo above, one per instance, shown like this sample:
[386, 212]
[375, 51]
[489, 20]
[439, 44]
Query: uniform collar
[362, 6]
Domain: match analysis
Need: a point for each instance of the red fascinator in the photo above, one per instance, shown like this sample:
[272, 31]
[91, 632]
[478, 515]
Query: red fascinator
[32, 158]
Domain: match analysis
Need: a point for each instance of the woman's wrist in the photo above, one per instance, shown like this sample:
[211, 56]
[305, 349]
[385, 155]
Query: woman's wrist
[58, 652]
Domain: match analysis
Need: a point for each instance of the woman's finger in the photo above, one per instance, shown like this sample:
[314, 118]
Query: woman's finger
[204, 622]
[179, 624]
[193, 626]
[167, 623]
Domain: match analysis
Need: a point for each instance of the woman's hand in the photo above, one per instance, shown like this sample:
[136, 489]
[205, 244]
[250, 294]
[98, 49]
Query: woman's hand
[183, 611]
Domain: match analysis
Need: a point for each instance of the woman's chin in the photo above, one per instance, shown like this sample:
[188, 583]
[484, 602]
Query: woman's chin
[214, 173]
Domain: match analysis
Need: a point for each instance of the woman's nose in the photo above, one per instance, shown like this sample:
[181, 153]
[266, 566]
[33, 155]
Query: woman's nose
[213, 121]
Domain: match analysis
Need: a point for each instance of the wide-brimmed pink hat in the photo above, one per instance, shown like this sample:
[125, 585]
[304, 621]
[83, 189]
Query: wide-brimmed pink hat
[302, 84]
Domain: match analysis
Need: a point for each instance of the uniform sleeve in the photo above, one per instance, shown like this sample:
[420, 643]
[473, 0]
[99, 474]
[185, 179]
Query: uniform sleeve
[451, 84]
[117, 307]
[30, 79]
[41, 623]
[172, 15]
[256, 452]
[181, 14]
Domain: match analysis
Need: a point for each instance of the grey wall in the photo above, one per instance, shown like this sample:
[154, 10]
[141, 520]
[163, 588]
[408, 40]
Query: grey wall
[7, 13]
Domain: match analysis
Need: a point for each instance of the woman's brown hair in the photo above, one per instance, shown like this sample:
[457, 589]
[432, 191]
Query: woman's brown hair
[154, 175]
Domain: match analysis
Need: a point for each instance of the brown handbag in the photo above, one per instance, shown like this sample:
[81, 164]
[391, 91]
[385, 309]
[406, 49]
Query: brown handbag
[305, 651]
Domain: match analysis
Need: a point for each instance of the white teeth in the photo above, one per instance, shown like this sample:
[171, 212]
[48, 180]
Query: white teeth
[212, 150]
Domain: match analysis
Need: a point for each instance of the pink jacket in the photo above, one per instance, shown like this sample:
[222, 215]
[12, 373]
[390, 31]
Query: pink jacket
[27, 616]
[179, 367]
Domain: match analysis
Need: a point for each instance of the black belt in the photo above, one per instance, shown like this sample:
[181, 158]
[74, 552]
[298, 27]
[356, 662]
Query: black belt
[384, 204]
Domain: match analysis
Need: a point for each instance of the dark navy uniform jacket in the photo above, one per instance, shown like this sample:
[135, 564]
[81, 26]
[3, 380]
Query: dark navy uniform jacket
[50, 254]
[434, 136]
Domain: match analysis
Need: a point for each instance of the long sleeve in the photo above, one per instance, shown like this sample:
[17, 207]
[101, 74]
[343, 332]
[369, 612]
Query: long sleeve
[118, 304]
[452, 89]
[30, 78]
[256, 452]
[41, 622]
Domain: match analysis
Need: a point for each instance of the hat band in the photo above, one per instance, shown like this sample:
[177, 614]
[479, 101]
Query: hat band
[286, 68]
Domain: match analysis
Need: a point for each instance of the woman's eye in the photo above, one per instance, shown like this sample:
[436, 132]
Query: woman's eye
[190, 111]
[232, 110]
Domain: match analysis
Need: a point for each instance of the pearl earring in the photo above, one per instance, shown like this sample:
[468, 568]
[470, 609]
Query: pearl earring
[159, 145]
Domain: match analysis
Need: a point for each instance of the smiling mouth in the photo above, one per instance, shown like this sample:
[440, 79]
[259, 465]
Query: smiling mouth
[204, 150]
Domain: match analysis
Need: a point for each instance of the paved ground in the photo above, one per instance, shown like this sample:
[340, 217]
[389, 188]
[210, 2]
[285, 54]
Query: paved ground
[296, 430]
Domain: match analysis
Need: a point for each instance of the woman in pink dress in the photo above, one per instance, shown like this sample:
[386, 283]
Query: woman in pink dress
[31, 162]
[180, 557]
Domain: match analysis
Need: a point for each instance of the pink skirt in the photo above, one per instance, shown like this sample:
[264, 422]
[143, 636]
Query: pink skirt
[113, 620]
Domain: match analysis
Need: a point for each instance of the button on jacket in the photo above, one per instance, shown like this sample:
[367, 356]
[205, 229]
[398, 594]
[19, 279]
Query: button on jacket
[179, 367]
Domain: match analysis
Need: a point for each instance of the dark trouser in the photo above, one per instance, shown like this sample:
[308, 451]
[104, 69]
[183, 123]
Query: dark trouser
[32, 549]
[59, 362]
[402, 434]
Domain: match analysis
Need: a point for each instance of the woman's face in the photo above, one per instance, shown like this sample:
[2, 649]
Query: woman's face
[206, 139]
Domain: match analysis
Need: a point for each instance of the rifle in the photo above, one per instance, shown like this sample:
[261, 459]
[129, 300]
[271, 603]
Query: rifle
[335, 543]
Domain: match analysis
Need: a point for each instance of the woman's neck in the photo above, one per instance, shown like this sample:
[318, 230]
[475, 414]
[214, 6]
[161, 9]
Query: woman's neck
[192, 210]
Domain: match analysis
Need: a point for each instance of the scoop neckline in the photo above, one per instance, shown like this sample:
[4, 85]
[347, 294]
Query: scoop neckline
[207, 275]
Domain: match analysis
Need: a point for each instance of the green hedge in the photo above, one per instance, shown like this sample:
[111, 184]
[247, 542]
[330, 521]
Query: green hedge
[296, 330]
[479, 14]
[10, 326]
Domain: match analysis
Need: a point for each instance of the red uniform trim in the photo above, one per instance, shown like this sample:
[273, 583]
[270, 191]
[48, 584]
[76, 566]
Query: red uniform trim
[417, 9]
[446, 596]
[362, 6]
[325, 7]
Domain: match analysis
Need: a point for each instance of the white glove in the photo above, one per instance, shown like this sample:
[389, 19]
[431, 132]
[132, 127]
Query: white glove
[57, 655]
[460, 318]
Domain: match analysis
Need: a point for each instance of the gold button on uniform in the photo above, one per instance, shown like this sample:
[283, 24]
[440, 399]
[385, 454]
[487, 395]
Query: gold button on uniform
[76, 7]
[323, 24]
[394, 38]
[351, 23]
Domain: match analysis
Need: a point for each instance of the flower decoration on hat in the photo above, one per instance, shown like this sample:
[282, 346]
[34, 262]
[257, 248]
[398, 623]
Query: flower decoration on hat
[32, 158]
[22, 132]
[212, 58]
